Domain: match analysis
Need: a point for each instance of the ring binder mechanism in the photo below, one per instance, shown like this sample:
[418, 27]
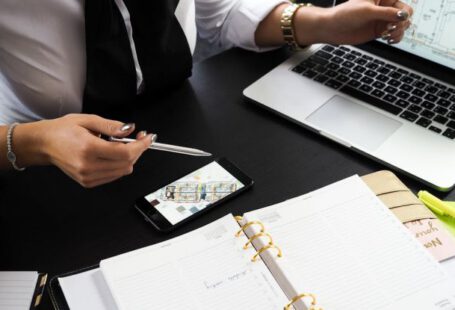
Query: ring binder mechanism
[261, 234]
[313, 306]
[267, 247]
[242, 229]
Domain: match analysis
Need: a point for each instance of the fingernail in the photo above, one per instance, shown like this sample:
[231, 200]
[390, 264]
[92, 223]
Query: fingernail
[154, 137]
[402, 15]
[127, 127]
[143, 133]
[391, 27]
[385, 36]
[390, 41]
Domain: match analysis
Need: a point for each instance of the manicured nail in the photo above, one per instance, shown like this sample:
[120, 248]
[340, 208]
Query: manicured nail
[154, 137]
[391, 41]
[386, 35]
[402, 15]
[391, 27]
[127, 127]
[142, 134]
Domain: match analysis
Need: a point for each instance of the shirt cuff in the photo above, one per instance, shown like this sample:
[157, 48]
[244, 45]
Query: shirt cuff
[241, 24]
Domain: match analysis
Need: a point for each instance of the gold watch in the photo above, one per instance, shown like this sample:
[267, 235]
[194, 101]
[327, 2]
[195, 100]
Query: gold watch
[287, 24]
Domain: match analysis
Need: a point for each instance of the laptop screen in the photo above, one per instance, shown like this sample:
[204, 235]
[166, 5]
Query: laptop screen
[431, 35]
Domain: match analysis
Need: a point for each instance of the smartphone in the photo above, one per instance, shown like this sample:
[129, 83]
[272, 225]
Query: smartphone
[192, 195]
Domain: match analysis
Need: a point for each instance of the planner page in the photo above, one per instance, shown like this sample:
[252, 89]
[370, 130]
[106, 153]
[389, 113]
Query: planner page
[343, 245]
[16, 289]
[204, 269]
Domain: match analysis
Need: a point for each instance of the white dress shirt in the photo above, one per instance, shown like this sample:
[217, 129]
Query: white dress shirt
[42, 48]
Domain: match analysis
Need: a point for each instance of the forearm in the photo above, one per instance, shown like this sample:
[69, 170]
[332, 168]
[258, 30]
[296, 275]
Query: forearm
[26, 144]
[309, 32]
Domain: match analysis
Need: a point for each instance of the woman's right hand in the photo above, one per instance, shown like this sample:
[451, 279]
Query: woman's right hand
[72, 143]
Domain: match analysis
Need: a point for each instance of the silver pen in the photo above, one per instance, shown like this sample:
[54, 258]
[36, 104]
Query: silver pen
[166, 147]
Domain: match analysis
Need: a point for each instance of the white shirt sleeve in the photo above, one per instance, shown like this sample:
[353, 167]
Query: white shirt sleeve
[228, 23]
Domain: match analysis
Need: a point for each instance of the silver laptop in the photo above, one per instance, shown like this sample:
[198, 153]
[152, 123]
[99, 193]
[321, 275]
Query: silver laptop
[380, 108]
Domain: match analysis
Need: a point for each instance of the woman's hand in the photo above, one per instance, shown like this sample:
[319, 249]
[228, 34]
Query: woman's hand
[353, 22]
[72, 143]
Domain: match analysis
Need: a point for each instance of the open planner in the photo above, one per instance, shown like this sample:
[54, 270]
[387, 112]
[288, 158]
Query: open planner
[336, 248]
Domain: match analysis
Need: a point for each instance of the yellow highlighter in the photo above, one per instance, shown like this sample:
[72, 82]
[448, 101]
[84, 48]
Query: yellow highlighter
[435, 204]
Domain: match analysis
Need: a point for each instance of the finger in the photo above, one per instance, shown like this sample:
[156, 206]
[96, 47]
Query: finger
[404, 7]
[97, 124]
[120, 151]
[388, 14]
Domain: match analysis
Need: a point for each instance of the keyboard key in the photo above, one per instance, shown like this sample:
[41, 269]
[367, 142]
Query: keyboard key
[431, 97]
[323, 54]
[320, 69]
[333, 66]
[328, 48]
[337, 60]
[367, 80]
[440, 110]
[348, 64]
[390, 90]
[415, 108]
[384, 70]
[321, 78]
[369, 58]
[435, 129]
[444, 103]
[331, 73]
[390, 98]
[378, 85]
[444, 94]
[319, 61]
[418, 92]
[390, 67]
[365, 88]
[424, 122]
[342, 78]
[425, 80]
[354, 83]
[310, 73]
[395, 75]
[420, 84]
[452, 98]
[298, 69]
[415, 100]
[440, 119]
[394, 83]
[402, 104]
[383, 78]
[414, 76]
[406, 88]
[402, 71]
[344, 71]
[333, 84]
[339, 53]
[361, 61]
[350, 57]
[355, 53]
[440, 86]
[378, 93]
[451, 124]
[407, 115]
[449, 133]
[428, 105]
[373, 66]
[360, 69]
[403, 95]
[427, 114]
[371, 100]
[431, 89]
[344, 48]
[355, 75]
[370, 73]
[407, 80]
[451, 115]
[379, 62]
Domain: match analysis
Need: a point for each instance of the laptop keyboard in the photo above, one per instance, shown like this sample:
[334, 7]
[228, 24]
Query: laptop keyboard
[411, 96]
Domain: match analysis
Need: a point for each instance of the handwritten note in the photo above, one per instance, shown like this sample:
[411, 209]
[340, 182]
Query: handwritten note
[434, 237]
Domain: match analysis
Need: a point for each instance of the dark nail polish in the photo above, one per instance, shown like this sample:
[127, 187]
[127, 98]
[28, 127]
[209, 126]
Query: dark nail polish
[402, 15]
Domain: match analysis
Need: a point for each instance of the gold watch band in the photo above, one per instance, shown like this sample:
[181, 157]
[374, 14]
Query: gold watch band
[287, 24]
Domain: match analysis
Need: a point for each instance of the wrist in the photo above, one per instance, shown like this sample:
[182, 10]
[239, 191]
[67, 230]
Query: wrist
[309, 25]
[28, 144]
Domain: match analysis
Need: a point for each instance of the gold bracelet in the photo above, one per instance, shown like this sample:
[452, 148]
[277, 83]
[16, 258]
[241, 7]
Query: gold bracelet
[287, 24]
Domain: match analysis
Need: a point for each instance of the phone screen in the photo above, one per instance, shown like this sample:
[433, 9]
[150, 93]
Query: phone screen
[194, 192]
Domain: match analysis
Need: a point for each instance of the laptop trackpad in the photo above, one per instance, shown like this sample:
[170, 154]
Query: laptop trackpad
[353, 123]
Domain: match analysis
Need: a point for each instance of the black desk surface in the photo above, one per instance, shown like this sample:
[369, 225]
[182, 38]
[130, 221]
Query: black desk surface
[51, 224]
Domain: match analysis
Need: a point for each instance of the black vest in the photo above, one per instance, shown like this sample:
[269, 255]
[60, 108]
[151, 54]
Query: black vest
[161, 46]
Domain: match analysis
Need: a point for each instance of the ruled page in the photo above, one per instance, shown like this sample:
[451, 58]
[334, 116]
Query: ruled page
[17, 289]
[204, 269]
[342, 244]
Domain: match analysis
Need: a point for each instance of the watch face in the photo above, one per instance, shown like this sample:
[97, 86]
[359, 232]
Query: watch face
[11, 156]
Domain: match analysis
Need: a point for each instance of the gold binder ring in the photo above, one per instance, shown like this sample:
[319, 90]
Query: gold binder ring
[261, 234]
[267, 247]
[301, 296]
[244, 227]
